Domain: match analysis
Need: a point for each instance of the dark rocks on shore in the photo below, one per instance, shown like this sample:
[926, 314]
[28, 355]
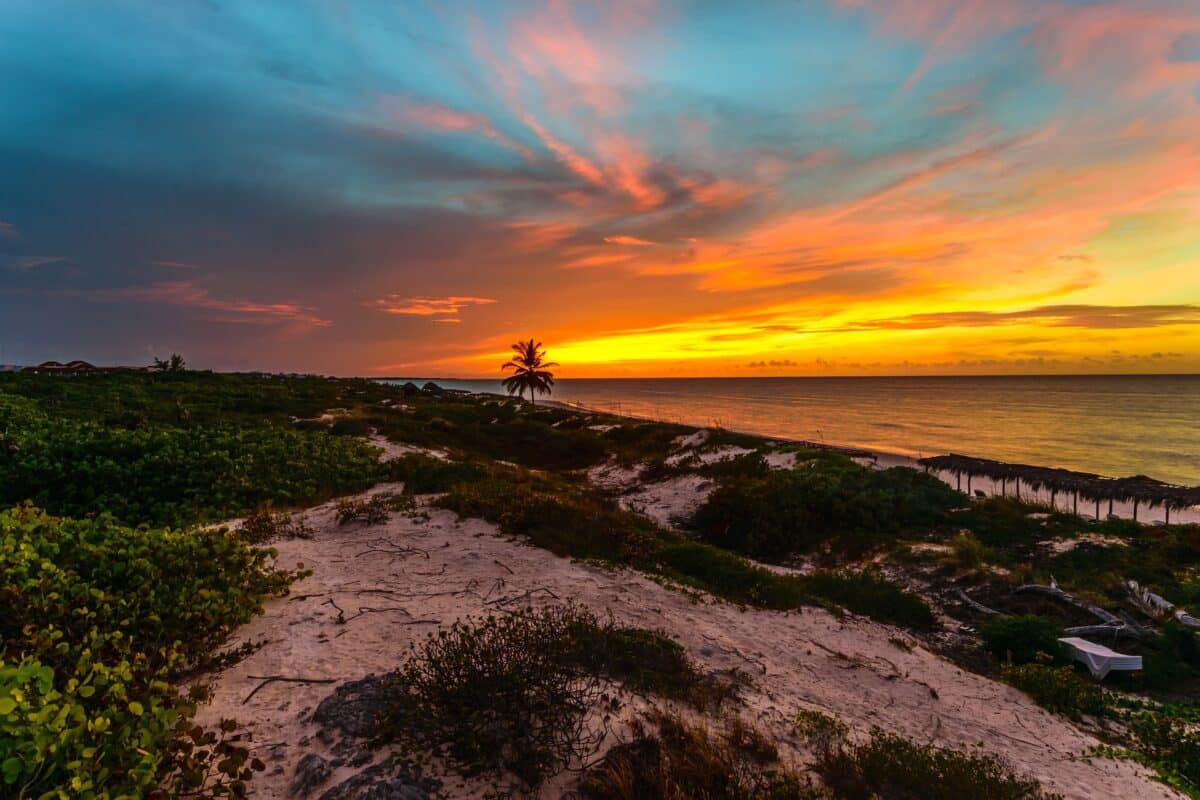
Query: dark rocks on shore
[350, 711]
[352, 706]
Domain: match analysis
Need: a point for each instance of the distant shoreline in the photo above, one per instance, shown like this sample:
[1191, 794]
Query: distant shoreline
[874, 455]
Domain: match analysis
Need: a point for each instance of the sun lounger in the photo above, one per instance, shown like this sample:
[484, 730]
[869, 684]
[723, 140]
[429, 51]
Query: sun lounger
[1099, 659]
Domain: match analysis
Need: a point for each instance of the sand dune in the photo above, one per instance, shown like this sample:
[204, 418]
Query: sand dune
[396, 582]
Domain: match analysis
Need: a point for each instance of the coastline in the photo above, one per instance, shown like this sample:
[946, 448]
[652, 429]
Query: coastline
[1100, 425]
[887, 459]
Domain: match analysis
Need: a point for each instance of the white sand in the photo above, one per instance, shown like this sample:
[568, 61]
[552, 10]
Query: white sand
[1065, 545]
[398, 581]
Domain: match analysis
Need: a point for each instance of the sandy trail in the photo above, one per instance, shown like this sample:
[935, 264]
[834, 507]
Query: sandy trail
[398, 581]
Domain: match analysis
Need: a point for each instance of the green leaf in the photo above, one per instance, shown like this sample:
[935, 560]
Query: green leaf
[12, 768]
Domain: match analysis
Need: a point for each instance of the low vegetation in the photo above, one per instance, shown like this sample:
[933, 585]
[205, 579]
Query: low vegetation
[170, 475]
[825, 503]
[667, 756]
[512, 694]
[891, 766]
[572, 520]
[97, 642]
[1022, 639]
[1062, 689]
[101, 624]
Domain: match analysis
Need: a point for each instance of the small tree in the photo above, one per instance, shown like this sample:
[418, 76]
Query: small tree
[173, 364]
[530, 370]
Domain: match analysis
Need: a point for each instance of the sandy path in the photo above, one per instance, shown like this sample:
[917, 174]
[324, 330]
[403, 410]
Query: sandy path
[798, 660]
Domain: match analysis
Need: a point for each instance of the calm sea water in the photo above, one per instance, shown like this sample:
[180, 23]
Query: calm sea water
[1111, 425]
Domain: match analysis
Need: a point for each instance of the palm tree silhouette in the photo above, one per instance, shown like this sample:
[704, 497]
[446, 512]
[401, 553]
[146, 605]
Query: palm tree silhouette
[531, 371]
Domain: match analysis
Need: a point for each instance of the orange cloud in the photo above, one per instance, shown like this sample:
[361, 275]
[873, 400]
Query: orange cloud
[428, 306]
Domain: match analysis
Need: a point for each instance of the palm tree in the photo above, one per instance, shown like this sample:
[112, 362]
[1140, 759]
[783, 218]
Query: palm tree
[530, 370]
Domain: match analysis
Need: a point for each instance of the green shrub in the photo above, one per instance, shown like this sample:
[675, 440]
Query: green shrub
[1169, 742]
[558, 517]
[829, 500]
[167, 475]
[424, 474]
[726, 575]
[1060, 689]
[1019, 640]
[747, 466]
[870, 593]
[966, 552]
[634, 442]
[478, 429]
[669, 757]
[511, 693]
[373, 510]
[97, 622]
[891, 766]
[265, 526]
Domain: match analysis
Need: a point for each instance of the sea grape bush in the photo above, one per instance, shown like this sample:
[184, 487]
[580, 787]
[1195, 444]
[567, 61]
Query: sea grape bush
[163, 475]
[98, 623]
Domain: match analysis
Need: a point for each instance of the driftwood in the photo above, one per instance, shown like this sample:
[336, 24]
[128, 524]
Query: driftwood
[1115, 631]
[1059, 594]
[1158, 607]
[975, 604]
[267, 680]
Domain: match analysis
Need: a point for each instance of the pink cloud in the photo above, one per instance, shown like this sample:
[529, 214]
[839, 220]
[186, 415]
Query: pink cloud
[173, 264]
[428, 306]
[8, 230]
[443, 119]
[189, 295]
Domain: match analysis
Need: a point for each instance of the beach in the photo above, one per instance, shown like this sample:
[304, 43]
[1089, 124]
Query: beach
[888, 456]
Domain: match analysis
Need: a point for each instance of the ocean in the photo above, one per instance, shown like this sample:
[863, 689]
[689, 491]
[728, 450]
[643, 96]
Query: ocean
[1111, 425]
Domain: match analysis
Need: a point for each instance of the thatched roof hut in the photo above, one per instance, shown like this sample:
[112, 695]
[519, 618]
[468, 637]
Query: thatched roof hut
[1137, 489]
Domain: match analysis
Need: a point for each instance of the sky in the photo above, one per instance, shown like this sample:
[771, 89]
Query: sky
[657, 188]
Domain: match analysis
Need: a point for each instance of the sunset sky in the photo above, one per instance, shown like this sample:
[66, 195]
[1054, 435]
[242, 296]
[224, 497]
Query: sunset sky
[651, 188]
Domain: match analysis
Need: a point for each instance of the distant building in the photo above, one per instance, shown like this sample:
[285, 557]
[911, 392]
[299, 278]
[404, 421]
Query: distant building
[76, 367]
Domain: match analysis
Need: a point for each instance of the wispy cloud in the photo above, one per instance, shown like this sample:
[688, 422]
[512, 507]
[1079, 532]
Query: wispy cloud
[8, 230]
[628, 241]
[1058, 316]
[189, 295]
[27, 263]
[447, 307]
[173, 264]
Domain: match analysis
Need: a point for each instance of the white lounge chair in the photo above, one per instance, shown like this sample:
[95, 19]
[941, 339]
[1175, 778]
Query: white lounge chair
[1099, 659]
